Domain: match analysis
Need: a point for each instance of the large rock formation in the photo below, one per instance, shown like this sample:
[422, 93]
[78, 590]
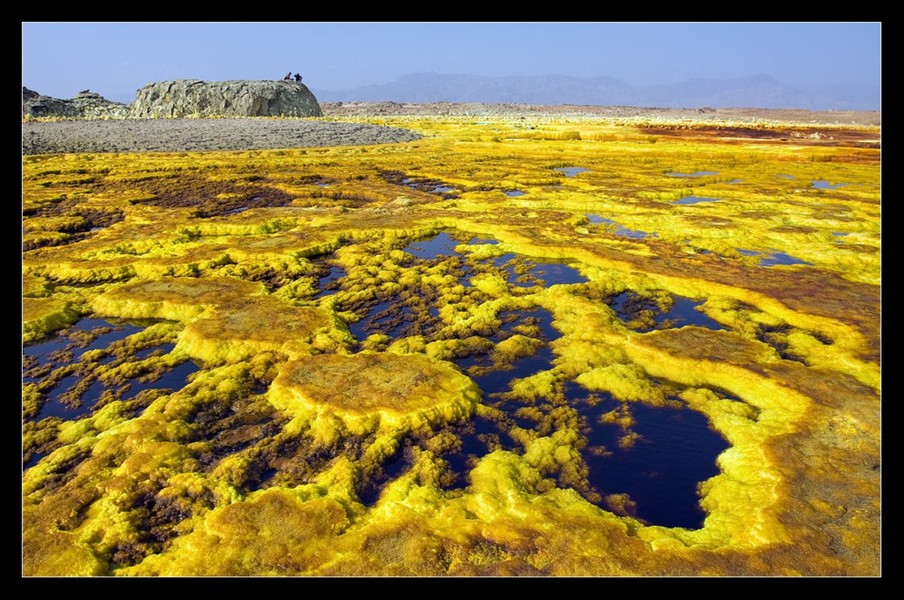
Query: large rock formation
[86, 105]
[195, 98]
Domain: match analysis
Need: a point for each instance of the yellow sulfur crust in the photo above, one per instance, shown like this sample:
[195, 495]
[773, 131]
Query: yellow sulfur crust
[262, 463]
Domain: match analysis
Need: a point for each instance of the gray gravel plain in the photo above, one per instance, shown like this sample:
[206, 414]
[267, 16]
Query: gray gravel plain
[189, 135]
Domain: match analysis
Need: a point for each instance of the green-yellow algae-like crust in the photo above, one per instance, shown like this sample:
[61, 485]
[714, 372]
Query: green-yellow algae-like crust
[298, 448]
[176, 298]
[228, 319]
[388, 389]
[240, 334]
[41, 316]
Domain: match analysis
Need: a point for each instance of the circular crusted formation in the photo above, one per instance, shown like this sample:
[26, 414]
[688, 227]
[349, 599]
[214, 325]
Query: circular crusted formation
[385, 383]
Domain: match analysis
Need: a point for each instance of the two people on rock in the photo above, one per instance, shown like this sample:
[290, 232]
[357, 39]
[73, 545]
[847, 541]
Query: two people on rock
[289, 77]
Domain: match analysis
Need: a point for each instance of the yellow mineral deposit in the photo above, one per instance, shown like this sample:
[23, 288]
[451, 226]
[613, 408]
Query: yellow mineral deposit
[258, 465]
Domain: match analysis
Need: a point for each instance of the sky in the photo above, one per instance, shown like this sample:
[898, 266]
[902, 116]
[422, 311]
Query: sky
[114, 59]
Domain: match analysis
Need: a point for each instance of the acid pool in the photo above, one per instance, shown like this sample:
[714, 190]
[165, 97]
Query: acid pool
[620, 230]
[571, 171]
[672, 448]
[774, 258]
[645, 314]
[66, 349]
[822, 184]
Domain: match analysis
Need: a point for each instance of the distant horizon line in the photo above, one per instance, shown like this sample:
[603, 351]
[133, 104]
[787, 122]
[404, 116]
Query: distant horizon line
[585, 77]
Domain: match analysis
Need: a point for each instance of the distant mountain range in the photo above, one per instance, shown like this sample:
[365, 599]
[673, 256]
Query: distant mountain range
[755, 91]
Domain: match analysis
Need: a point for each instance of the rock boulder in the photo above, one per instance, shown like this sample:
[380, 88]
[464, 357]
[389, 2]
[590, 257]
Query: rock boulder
[86, 105]
[241, 98]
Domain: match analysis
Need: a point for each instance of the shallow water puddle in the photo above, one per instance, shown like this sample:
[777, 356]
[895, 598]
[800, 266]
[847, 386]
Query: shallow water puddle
[514, 193]
[441, 245]
[390, 318]
[481, 435]
[684, 312]
[695, 200]
[174, 379]
[101, 333]
[657, 460]
[557, 274]
[35, 459]
[431, 186]
[695, 174]
[780, 258]
[673, 448]
[148, 352]
[329, 283]
[774, 258]
[524, 272]
[669, 451]
[571, 171]
[644, 314]
[66, 349]
[426, 186]
[619, 230]
[418, 314]
[822, 184]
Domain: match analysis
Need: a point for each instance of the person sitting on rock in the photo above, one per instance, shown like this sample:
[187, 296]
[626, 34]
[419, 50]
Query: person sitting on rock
[297, 77]
[288, 76]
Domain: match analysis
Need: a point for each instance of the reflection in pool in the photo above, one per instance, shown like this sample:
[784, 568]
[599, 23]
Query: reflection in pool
[673, 450]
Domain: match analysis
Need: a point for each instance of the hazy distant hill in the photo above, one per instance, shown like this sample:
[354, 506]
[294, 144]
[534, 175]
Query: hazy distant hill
[757, 91]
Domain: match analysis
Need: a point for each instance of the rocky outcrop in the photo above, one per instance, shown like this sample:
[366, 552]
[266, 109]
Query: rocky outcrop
[195, 98]
[86, 105]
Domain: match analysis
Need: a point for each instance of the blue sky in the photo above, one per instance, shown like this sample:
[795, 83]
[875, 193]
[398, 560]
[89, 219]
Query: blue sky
[115, 59]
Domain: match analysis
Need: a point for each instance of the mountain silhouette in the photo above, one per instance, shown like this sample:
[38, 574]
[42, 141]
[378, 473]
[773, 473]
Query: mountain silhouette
[755, 91]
